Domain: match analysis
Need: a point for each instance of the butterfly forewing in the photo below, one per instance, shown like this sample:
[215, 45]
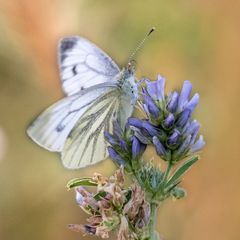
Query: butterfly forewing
[83, 65]
[75, 125]
[51, 128]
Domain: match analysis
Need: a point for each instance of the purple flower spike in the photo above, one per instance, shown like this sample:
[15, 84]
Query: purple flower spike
[173, 139]
[156, 88]
[184, 116]
[116, 158]
[198, 145]
[184, 96]
[193, 102]
[169, 121]
[173, 102]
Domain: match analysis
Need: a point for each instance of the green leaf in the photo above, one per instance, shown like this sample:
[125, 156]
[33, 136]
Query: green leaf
[80, 182]
[181, 170]
[99, 196]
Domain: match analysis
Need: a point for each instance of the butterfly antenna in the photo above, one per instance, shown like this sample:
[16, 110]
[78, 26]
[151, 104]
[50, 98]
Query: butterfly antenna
[140, 44]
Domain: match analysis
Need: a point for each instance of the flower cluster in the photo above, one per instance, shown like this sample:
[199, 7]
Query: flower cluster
[112, 207]
[169, 127]
[169, 124]
[125, 148]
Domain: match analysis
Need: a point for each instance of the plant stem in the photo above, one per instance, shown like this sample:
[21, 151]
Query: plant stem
[153, 219]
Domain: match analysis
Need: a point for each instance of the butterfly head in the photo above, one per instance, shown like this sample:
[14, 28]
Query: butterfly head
[128, 84]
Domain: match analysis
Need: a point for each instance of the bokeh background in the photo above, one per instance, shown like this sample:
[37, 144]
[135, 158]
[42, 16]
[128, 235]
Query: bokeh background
[196, 40]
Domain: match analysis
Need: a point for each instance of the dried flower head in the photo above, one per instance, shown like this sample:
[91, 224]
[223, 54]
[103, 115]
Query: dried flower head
[112, 207]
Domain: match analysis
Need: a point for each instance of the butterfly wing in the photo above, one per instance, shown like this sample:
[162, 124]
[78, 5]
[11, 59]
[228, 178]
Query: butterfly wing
[85, 144]
[51, 129]
[83, 65]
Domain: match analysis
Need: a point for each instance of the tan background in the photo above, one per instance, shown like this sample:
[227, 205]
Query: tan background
[197, 40]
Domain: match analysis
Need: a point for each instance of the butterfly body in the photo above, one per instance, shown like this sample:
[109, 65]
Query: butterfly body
[97, 93]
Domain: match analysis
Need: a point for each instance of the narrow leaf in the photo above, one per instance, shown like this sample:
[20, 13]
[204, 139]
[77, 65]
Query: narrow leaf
[181, 170]
[99, 196]
[80, 182]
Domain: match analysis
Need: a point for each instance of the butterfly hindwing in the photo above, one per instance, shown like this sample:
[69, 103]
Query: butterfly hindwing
[85, 144]
[83, 65]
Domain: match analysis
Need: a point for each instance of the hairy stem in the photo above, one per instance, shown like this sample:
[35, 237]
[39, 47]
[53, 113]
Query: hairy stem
[153, 220]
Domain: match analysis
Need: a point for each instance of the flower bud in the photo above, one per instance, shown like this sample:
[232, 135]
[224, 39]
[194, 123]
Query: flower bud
[137, 148]
[183, 118]
[198, 145]
[160, 149]
[173, 139]
[193, 102]
[151, 106]
[115, 157]
[184, 95]
[169, 121]
[173, 102]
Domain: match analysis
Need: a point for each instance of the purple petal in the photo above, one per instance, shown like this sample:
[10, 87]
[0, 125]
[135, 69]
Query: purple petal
[198, 145]
[115, 157]
[137, 148]
[152, 108]
[184, 95]
[185, 145]
[173, 102]
[150, 128]
[191, 127]
[184, 117]
[191, 105]
[135, 122]
[173, 139]
[79, 198]
[156, 88]
[141, 135]
[160, 149]
[109, 137]
[169, 121]
[123, 144]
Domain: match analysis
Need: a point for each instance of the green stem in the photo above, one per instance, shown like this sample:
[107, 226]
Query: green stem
[153, 219]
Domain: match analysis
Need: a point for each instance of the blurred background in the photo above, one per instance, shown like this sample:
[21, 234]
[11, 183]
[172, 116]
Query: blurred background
[196, 40]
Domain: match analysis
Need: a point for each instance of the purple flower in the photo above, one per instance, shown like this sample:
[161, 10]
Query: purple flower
[110, 138]
[173, 138]
[160, 149]
[137, 148]
[184, 95]
[151, 107]
[191, 105]
[183, 118]
[173, 102]
[198, 145]
[156, 88]
[169, 121]
[116, 157]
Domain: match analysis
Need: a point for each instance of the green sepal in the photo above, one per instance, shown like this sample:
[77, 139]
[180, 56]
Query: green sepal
[80, 182]
[180, 171]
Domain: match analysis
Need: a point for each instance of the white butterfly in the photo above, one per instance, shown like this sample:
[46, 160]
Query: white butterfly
[97, 93]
